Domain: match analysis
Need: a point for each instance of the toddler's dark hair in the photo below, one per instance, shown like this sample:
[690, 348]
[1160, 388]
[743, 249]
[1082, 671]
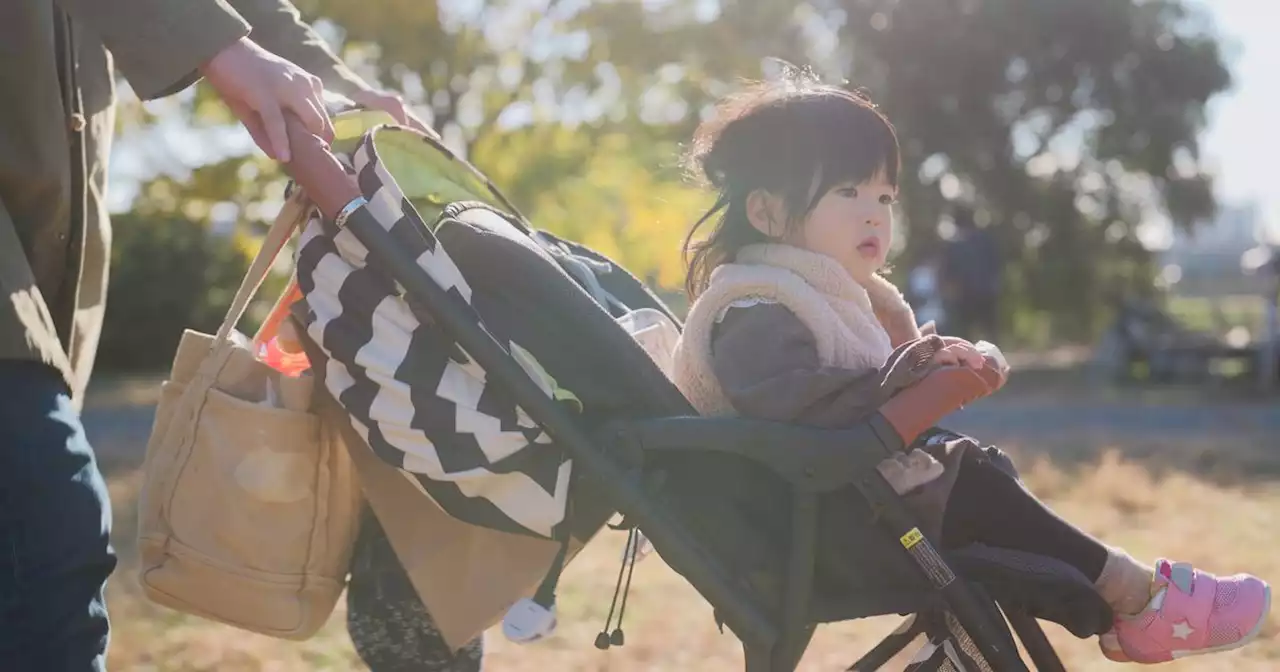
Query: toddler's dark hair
[794, 137]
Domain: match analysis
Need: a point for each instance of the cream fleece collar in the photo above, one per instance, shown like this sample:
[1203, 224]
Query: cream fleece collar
[877, 295]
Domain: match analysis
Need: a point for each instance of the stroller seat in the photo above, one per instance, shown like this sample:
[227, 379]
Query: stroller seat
[527, 325]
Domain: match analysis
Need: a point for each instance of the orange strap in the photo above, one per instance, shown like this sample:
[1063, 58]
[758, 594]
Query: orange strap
[271, 326]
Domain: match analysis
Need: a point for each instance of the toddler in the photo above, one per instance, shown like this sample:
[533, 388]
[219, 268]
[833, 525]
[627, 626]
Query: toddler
[791, 321]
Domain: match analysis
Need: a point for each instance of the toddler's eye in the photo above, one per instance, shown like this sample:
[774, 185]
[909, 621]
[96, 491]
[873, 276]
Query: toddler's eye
[848, 192]
[888, 200]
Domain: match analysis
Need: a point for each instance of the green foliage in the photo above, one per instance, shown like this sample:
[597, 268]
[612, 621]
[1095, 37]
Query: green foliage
[169, 274]
[1066, 124]
[986, 91]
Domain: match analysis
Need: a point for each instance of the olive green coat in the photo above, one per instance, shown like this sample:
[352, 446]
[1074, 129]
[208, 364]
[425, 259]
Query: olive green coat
[55, 235]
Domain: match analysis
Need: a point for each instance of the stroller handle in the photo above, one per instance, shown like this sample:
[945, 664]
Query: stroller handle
[317, 170]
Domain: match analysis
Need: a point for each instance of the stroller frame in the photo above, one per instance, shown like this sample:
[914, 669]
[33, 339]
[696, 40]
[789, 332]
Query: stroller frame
[818, 461]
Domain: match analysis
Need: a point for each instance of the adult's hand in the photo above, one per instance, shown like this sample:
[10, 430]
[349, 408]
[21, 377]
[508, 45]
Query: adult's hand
[394, 105]
[259, 87]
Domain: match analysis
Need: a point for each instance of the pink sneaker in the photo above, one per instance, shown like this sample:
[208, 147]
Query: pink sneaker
[1192, 613]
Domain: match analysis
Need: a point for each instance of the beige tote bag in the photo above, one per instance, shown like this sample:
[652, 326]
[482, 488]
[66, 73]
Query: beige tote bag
[250, 505]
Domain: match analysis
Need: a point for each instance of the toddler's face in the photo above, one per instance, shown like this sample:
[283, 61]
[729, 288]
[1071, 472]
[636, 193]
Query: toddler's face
[853, 224]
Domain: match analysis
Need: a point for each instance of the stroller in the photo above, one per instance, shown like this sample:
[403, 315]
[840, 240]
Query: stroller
[502, 367]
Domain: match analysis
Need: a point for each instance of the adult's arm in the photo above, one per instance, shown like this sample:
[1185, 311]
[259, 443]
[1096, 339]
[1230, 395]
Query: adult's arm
[159, 45]
[279, 28]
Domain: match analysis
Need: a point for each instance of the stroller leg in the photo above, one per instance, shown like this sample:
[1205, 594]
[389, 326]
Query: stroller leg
[796, 629]
[800, 644]
[958, 594]
[757, 659]
[1032, 635]
[890, 646]
[777, 659]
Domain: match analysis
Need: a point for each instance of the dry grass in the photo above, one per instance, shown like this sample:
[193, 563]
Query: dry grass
[669, 627]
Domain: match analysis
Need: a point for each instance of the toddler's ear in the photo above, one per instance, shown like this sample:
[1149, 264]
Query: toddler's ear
[766, 214]
[929, 328]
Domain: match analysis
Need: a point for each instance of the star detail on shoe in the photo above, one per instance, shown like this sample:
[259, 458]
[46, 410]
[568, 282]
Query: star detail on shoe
[1182, 630]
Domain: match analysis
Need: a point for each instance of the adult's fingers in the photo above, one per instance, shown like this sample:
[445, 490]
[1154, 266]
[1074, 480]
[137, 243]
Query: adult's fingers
[399, 110]
[416, 123]
[395, 107]
[273, 125]
[326, 124]
[317, 100]
[302, 101]
[317, 170]
[253, 123]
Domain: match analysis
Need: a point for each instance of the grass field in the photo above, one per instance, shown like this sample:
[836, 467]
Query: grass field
[1152, 503]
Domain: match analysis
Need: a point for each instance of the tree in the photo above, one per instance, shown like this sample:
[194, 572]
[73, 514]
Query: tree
[168, 274]
[1067, 124]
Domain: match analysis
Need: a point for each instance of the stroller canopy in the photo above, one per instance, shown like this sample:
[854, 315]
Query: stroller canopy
[417, 398]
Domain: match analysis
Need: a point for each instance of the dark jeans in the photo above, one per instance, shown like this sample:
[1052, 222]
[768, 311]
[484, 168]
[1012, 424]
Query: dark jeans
[55, 524]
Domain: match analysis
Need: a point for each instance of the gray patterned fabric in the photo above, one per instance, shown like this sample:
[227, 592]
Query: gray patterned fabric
[389, 626]
[422, 403]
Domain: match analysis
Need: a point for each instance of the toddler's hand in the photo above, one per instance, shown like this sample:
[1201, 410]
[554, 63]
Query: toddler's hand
[994, 355]
[959, 352]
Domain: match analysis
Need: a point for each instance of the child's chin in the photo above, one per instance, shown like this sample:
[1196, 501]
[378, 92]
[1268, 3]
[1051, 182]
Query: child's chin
[863, 272]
